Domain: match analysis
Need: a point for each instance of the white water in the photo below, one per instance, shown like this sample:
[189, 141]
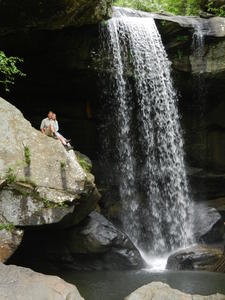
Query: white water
[149, 154]
[199, 65]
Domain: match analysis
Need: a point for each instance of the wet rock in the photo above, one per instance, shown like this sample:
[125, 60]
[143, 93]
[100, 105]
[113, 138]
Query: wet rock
[162, 291]
[20, 283]
[208, 224]
[213, 26]
[103, 245]
[51, 14]
[10, 239]
[206, 185]
[94, 244]
[195, 258]
[219, 205]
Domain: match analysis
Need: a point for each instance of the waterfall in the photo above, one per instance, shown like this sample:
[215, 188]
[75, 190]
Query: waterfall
[199, 66]
[145, 134]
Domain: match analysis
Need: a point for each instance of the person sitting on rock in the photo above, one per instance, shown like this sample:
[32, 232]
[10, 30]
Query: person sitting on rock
[63, 140]
[47, 125]
[50, 127]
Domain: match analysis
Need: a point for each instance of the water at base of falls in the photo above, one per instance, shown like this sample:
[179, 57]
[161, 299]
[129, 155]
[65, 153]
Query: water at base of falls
[142, 121]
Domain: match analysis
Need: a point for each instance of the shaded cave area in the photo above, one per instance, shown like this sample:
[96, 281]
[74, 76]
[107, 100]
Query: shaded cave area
[60, 76]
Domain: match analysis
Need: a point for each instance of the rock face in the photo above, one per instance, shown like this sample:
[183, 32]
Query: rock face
[200, 258]
[208, 224]
[10, 239]
[95, 244]
[51, 14]
[162, 291]
[41, 183]
[20, 283]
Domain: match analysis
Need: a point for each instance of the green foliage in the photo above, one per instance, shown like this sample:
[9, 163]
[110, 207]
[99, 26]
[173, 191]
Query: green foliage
[218, 11]
[49, 204]
[8, 227]
[9, 70]
[10, 176]
[144, 5]
[177, 7]
[63, 164]
[27, 155]
[84, 164]
[182, 38]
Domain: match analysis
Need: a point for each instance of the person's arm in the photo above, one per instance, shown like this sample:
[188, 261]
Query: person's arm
[42, 127]
[56, 126]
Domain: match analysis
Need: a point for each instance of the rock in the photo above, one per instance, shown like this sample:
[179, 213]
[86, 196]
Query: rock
[102, 245]
[47, 188]
[219, 205]
[208, 224]
[213, 27]
[94, 244]
[205, 185]
[51, 15]
[21, 283]
[10, 239]
[197, 258]
[41, 183]
[162, 291]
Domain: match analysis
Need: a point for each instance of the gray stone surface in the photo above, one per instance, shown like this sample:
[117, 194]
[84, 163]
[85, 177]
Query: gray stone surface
[197, 258]
[51, 188]
[208, 224]
[94, 244]
[25, 284]
[162, 291]
[10, 239]
[50, 14]
[214, 26]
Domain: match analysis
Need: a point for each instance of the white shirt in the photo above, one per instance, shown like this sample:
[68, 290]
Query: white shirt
[46, 123]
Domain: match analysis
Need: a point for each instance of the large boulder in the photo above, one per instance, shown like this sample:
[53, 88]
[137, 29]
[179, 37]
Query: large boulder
[20, 283]
[219, 205]
[100, 245]
[195, 258]
[40, 182]
[162, 291]
[51, 14]
[208, 224]
[94, 244]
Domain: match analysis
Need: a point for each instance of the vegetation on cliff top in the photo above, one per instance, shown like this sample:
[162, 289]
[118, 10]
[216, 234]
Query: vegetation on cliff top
[9, 70]
[177, 7]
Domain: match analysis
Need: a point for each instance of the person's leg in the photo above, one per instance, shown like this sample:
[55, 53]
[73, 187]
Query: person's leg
[62, 140]
[52, 129]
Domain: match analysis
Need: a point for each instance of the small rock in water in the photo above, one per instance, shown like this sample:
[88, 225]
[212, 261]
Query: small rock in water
[194, 258]
[208, 224]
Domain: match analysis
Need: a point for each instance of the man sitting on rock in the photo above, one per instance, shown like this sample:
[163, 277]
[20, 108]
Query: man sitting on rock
[47, 125]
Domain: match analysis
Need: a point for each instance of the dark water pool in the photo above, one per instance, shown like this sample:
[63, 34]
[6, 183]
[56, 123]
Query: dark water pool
[117, 285]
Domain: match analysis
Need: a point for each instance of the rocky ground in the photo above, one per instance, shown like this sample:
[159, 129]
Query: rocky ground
[21, 283]
[162, 291]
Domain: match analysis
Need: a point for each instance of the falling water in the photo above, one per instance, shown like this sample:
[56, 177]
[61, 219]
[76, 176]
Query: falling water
[199, 63]
[147, 143]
